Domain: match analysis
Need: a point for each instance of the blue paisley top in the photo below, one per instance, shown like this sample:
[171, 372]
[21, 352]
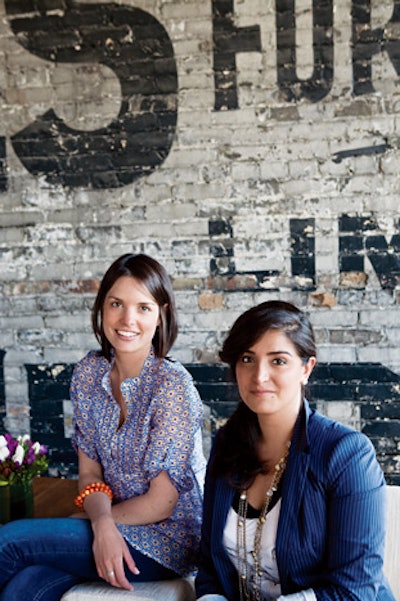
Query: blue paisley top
[162, 431]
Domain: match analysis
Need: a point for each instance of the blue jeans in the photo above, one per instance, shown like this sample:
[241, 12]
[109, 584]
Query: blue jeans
[40, 559]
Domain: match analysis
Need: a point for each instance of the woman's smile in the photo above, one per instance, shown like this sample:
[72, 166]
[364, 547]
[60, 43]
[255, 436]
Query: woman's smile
[262, 391]
[126, 334]
[130, 316]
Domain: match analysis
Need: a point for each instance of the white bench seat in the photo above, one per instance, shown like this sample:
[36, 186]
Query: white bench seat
[181, 589]
[391, 564]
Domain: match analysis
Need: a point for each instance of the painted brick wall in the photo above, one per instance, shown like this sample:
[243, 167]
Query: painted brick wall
[252, 147]
[364, 396]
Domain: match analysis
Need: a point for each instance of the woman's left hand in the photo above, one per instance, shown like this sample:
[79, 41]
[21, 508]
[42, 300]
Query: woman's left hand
[111, 553]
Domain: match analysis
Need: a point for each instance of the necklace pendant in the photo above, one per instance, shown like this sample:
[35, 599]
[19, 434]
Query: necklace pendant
[250, 579]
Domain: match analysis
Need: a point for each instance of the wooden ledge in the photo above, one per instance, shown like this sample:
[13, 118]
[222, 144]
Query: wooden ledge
[54, 497]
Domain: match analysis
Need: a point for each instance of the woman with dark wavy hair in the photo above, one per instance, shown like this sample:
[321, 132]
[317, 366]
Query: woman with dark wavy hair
[294, 502]
[137, 431]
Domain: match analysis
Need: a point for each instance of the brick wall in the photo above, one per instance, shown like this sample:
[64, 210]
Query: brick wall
[364, 396]
[252, 147]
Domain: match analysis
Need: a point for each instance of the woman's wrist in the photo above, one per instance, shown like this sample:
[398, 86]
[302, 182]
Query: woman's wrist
[101, 521]
[89, 489]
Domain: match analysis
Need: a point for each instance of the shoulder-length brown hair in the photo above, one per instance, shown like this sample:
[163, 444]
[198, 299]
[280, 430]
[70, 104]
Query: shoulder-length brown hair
[236, 452]
[155, 278]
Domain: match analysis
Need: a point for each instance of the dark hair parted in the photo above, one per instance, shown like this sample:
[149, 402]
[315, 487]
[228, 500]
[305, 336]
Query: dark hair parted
[155, 278]
[236, 455]
[271, 315]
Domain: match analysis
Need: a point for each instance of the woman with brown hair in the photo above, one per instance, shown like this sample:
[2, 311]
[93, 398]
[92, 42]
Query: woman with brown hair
[137, 431]
[294, 503]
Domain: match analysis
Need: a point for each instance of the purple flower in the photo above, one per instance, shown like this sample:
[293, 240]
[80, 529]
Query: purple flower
[20, 458]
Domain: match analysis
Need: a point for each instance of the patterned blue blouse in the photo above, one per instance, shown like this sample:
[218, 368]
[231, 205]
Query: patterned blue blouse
[162, 431]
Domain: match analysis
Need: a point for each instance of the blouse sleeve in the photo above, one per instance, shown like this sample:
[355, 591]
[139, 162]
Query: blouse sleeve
[177, 416]
[83, 436]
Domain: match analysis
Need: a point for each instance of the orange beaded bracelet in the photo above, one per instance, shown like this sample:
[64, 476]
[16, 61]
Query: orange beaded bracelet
[91, 488]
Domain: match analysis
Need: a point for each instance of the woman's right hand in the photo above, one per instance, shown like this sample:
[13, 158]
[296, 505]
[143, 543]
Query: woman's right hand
[111, 553]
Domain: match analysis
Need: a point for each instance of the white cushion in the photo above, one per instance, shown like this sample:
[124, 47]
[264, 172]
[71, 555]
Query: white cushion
[181, 589]
[391, 565]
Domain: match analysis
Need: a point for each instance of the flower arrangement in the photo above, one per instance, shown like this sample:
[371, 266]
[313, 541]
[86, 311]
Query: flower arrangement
[21, 459]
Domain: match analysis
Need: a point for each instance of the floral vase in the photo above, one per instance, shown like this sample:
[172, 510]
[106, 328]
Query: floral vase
[16, 501]
[4, 502]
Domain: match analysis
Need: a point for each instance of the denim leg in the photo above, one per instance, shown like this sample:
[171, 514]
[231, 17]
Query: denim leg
[42, 558]
[149, 569]
[60, 544]
[24, 586]
[54, 583]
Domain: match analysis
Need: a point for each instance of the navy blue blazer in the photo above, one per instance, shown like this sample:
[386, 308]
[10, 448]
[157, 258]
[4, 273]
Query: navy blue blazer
[331, 527]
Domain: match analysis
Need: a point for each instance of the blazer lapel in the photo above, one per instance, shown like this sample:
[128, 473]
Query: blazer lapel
[292, 493]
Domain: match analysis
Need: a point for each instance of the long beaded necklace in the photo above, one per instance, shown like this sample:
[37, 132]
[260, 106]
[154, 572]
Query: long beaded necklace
[250, 585]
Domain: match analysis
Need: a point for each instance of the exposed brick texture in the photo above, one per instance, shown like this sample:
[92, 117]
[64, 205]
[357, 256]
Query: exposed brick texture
[2, 390]
[365, 397]
[252, 147]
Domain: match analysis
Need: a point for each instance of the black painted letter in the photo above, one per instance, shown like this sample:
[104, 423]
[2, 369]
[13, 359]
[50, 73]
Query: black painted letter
[137, 48]
[302, 251]
[320, 83]
[228, 41]
[354, 245]
[367, 42]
